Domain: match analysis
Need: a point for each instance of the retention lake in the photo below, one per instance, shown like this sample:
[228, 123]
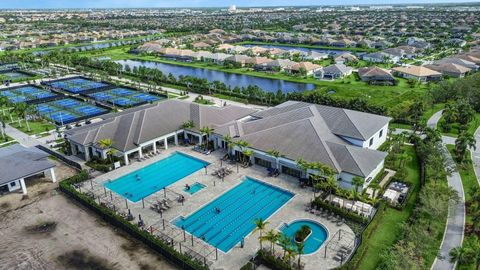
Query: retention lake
[230, 79]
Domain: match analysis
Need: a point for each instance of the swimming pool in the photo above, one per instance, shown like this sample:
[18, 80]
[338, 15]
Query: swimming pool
[239, 208]
[148, 180]
[313, 242]
[194, 188]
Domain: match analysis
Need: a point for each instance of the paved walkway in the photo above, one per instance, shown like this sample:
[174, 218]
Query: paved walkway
[454, 231]
[21, 137]
[433, 120]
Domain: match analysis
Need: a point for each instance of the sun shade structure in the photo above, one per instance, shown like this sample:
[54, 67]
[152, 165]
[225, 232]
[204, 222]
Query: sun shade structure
[18, 162]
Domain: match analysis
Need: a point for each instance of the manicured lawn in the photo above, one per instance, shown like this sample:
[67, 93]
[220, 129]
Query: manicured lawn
[469, 180]
[36, 127]
[467, 173]
[455, 130]
[386, 227]
[349, 87]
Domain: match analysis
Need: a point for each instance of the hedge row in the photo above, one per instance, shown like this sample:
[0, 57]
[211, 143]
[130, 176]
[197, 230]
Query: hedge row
[272, 262]
[340, 211]
[165, 249]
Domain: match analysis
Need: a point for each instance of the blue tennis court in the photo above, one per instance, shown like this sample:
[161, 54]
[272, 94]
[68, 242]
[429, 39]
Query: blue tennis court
[65, 111]
[25, 94]
[123, 97]
[76, 85]
[15, 75]
[224, 222]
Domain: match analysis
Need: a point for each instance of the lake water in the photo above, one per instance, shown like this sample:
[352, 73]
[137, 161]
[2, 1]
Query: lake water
[230, 79]
[304, 49]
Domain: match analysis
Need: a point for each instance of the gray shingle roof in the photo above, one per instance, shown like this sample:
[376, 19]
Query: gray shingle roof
[18, 162]
[312, 132]
[133, 127]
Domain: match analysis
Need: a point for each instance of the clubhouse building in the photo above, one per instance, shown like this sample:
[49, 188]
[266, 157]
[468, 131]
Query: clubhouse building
[343, 139]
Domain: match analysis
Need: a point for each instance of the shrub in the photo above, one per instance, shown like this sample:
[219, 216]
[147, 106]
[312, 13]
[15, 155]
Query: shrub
[339, 211]
[271, 261]
[302, 233]
[165, 249]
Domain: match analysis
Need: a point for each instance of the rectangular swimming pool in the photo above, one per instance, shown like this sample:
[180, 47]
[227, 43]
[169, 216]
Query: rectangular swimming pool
[239, 208]
[194, 188]
[148, 180]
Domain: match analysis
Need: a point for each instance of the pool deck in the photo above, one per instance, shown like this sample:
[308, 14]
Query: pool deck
[294, 209]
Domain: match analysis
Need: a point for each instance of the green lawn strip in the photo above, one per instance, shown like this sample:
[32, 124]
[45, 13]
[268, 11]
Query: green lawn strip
[455, 130]
[467, 173]
[469, 180]
[431, 111]
[8, 144]
[386, 227]
[353, 49]
[400, 126]
[36, 127]
[349, 87]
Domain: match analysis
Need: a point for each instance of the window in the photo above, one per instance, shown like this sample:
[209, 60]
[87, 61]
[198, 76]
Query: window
[12, 184]
[371, 141]
[291, 172]
[380, 134]
[262, 162]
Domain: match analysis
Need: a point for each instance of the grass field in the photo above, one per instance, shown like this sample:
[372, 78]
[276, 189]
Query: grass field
[349, 87]
[386, 227]
[469, 180]
[455, 130]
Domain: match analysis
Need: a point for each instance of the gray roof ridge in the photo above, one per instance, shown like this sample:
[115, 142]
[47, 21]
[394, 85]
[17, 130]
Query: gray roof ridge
[130, 129]
[142, 120]
[353, 158]
[355, 126]
[316, 115]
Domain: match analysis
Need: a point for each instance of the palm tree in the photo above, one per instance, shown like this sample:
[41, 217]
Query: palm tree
[3, 102]
[261, 225]
[247, 153]
[228, 140]
[272, 237]
[475, 214]
[188, 124]
[304, 165]
[242, 145]
[276, 154]
[284, 241]
[328, 184]
[357, 182]
[206, 131]
[374, 186]
[465, 140]
[23, 110]
[300, 251]
[107, 144]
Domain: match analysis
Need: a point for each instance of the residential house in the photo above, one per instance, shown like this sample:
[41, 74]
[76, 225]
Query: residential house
[376, 75]
[278, 65]
[315, 56]
[238, 59]
[307, 67]
[420, 73]
[450, 69]
[342, 58]
[333, 72]
[458, 61]
[380, 57]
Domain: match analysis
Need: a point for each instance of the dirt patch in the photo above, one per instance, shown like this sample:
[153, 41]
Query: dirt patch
[43, 227]
[76, 229]
[82, 259]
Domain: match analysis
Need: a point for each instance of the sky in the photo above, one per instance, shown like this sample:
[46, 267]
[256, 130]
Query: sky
[198, 3]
